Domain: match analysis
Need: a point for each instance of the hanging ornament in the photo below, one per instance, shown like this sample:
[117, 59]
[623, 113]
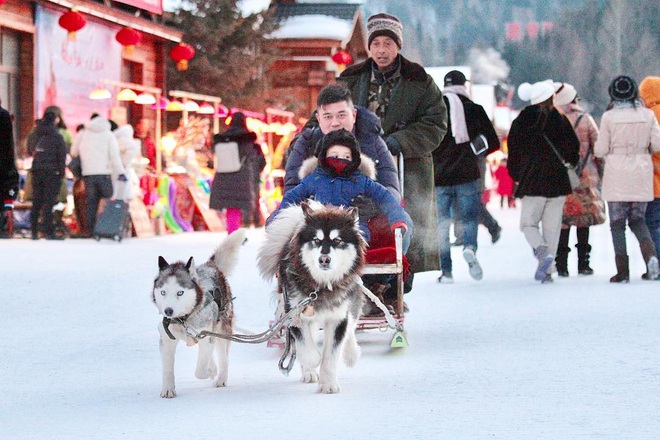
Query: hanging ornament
[129, 38]
[72, 21]
[2, 2]
[342, 57]
[182, 53]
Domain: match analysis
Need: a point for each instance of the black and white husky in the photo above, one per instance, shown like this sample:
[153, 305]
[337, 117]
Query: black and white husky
[318, 249]
[192, 299]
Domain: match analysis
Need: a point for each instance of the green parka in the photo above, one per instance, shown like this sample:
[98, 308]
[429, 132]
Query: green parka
[416, 118]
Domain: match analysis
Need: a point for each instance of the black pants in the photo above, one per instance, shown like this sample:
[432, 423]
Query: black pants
[97, 187]
[45, 187]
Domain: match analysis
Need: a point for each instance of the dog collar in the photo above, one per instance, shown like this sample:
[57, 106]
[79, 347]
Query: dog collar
[167, 321]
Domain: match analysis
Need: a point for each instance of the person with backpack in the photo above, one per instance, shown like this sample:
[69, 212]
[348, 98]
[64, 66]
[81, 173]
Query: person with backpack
[235, 156]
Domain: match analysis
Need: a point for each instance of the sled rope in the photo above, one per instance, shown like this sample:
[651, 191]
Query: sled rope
[259, 337]
[391, 322]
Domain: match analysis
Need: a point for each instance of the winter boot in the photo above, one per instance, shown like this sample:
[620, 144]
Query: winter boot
[445, 278]
[650, 258]
[561, 260]
[545, 261]
[622, 272]
[583, 251]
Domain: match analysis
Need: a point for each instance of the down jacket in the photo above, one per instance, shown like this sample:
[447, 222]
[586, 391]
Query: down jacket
[532, 162]
[98, 149]
[628, 137]
[367, 132]
[338, 191]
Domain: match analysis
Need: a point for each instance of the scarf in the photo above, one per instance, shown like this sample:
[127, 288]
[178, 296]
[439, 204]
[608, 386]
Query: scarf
[457, 113]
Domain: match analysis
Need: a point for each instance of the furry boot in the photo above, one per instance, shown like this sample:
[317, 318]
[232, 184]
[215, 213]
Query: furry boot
[622, 272]
[650, 258]
[583, 251]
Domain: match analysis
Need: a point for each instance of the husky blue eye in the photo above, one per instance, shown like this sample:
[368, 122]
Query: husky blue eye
[162, 292]
[179, 293]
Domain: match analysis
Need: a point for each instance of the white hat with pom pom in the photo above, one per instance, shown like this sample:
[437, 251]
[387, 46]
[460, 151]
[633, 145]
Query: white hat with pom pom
[537, 92]
[564, 93]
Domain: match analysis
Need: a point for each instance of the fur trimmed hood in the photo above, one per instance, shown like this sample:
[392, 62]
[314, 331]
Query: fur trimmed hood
[409, 70]
[367, 167]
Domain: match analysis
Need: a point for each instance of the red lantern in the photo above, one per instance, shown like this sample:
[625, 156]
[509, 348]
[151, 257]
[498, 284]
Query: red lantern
[182, 53]
[2, 2]
[72, 21]
[129, 38]
[342, 57]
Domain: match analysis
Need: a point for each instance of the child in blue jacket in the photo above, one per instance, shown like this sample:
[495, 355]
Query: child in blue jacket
[336, 177]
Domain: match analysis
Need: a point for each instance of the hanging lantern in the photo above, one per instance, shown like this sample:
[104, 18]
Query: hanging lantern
[342, 57]
[72, 21]
[2, 2]
[182, 53]
[129, 38]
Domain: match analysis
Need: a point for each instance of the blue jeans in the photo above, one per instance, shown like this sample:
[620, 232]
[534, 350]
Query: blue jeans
[468, 204]
[653, 222]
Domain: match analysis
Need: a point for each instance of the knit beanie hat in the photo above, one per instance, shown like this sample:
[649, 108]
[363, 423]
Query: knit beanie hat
[384, 24]
[564, 93]
[649, 91]
[623, 88]
[537, 92]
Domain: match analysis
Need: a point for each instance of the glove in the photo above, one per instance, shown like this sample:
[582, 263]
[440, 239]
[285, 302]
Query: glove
[122, 178]
[367, 208]
[393, 145]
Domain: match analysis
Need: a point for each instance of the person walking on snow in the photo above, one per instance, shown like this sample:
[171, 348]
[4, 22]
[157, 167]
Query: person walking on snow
[543, 182]
[629, 135]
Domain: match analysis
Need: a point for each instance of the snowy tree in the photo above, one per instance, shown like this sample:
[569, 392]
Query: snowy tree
[230, 57]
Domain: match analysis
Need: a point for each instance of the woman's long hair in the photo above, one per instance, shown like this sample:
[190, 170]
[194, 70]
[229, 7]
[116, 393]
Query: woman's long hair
[58, 112]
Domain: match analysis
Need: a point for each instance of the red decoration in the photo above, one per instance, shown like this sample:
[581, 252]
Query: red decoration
[72, 21]
[182, 53]
[2, 2]
[342, 57]
[129, 38]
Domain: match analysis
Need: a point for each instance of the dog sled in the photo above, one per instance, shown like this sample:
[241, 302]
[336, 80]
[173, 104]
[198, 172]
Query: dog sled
[384, 259]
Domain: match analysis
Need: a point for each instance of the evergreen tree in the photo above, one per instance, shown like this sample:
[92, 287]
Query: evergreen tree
[230, 57]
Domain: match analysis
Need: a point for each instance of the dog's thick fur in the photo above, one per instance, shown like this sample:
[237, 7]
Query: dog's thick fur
[200, 296]
[318, 249]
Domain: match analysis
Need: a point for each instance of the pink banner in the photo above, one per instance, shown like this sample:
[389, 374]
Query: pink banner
[148, 5]
[67, 71]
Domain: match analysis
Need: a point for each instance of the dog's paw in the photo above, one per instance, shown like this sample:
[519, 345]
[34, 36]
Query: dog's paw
[168, 393]
[310, 376]
[328, 388]
[352, 353]
[220, 382]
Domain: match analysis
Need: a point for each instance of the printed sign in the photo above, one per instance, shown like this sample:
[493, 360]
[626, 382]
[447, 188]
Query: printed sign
[211, 218]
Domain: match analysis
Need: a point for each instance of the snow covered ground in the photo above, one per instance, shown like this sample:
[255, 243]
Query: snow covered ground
[503, 358]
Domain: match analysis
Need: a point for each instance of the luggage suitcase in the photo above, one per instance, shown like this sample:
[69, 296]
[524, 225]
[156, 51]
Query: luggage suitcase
[112, 220]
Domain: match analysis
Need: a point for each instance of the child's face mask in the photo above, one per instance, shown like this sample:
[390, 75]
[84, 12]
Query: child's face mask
[337, 165]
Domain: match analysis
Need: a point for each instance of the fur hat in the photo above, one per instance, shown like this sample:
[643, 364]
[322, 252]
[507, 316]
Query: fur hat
[536, 93]
[455, 78]
[649, 91]
[564, 93]
[340, 137]
[384, 24]
[623, 88]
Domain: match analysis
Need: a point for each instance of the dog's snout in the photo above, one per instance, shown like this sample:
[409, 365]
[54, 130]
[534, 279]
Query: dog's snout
[168, 311]
[324, 260]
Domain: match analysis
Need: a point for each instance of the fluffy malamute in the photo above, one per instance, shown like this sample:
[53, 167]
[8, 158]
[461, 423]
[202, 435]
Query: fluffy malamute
[318, 249]
[196, 298]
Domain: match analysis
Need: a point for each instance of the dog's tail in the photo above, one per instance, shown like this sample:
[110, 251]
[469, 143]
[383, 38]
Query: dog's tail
[226, 255]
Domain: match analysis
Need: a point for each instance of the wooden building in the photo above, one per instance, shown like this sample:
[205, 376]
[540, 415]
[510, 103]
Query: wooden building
[41, 64]
[308, 37]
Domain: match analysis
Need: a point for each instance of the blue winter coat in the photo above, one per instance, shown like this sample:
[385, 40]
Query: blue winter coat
[367, 132]
[339, 191]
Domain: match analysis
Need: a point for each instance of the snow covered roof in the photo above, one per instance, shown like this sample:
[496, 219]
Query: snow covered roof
[314, 26]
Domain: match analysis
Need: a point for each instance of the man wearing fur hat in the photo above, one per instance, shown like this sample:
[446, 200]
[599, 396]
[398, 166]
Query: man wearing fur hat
[414, 120]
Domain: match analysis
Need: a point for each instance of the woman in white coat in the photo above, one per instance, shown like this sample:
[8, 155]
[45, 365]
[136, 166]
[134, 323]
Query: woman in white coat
[129, 149]
[629, 135]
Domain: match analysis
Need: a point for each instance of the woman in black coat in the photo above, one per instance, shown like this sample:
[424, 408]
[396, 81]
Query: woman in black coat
[543, 182]
[48, 148]
[235, 191]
